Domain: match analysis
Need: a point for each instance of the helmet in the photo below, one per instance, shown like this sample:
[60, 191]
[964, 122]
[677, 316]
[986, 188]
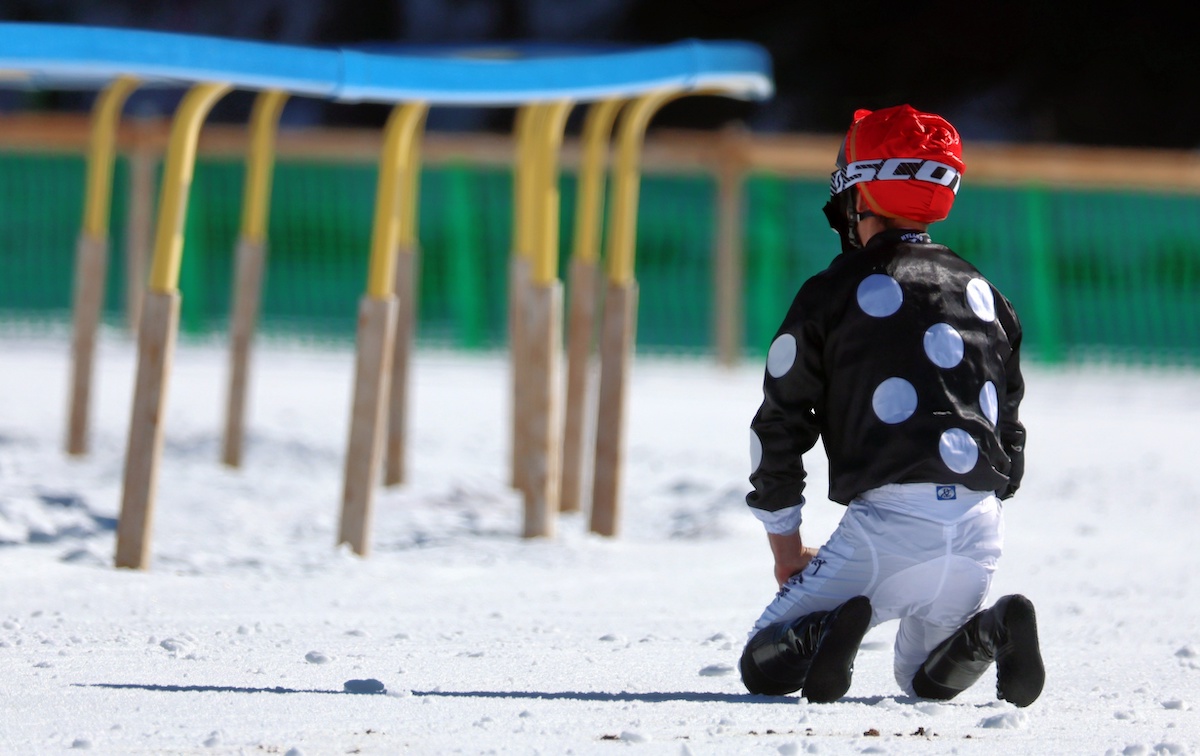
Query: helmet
[905, 163]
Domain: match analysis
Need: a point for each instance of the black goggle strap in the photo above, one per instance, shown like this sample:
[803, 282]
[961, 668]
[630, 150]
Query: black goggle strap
[843, 217]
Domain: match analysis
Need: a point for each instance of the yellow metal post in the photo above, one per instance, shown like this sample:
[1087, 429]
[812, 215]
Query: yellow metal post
[376, 330]
[91, 256]
[620, 313]
[545, 202]
[158, 329]
[589, 205]
[177, 183]
[528, 124]
[251, 254]
[144, 157]
[410, 186]
[589, 209]
[406, 287]
[540, 318]
[260, 163]
[399, 133]
[102, 147]
[626, 180]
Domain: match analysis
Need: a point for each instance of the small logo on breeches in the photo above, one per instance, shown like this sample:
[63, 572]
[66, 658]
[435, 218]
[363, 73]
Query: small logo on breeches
[947, 493]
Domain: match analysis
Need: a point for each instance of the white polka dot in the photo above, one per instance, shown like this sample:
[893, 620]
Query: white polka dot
[944, 345]
[981, 300]
[879, 295]
[755, 451]
[988, 403]
[894, 401]
[959, 451]
[782, 355]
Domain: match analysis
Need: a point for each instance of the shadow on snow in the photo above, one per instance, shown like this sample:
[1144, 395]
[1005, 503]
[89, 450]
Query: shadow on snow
[623, 697]
[207, 688]
[533, 695]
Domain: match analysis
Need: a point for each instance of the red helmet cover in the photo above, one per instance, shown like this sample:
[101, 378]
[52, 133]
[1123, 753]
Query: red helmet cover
[929, 152]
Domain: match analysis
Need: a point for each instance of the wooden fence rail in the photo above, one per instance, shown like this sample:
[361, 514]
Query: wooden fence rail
[728, 156]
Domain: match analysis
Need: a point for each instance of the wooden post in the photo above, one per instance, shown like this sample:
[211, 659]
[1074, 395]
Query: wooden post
[729, 321]
[376, 324]
[156, 345]
[157, 330]
[251, 253]
[519, 286]
[539, 417]
[581, 324]
[247, 285]
[616, 354]
[91, 265]
[395, 450]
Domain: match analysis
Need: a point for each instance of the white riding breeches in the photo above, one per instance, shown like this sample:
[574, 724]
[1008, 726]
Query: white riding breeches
[919, 556]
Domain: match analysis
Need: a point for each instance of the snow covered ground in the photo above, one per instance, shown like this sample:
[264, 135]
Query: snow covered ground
[245, 632]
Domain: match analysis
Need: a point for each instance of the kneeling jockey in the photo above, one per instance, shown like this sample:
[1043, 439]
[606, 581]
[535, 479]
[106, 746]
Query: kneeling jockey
[904, 360]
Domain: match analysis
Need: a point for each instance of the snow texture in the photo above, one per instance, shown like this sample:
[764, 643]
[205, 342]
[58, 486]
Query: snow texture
[252, 633]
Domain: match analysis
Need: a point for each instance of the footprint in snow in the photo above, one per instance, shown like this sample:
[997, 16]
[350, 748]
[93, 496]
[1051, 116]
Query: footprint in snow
[716, 670]
[176, 645]
[1011, 720]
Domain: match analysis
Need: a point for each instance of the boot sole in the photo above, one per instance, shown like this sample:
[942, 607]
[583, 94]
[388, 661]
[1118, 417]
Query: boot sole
[829, 676]
[1020, 672]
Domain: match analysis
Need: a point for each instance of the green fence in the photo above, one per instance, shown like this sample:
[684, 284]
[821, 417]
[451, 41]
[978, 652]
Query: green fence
[1095, 274]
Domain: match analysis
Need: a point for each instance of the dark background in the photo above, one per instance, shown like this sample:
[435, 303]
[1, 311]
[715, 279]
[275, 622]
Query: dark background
[1020, 71]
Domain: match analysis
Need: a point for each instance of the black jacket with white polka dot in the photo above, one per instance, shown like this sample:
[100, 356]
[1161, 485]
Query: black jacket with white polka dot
[905, 361]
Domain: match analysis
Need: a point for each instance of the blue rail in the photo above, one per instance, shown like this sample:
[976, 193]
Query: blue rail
[57, 56]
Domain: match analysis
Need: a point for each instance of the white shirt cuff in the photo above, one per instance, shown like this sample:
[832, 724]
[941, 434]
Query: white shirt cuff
[782, 521]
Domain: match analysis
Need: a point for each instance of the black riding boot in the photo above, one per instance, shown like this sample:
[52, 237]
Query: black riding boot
[815, 652]
[1007, 634]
